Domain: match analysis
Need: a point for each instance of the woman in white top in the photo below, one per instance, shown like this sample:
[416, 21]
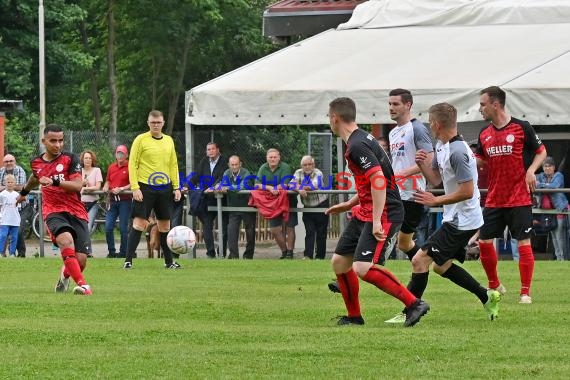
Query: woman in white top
[92, 181]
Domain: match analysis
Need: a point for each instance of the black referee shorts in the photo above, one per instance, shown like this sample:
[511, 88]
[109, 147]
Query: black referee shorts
[159, 200]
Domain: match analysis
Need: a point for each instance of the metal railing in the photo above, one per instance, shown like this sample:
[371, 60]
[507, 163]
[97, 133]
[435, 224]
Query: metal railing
[219, 208]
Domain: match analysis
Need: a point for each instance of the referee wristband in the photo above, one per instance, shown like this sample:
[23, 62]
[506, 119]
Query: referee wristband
[55, 181]
[24, 192]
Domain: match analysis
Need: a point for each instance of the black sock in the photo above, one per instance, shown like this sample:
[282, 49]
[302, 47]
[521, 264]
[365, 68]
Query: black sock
[133, 241]
[417, 285]
[165, 250]
[461, 277]
[412, 252]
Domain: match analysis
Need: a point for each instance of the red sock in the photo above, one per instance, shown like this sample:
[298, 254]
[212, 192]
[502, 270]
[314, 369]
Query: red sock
[526, 267]
[488, 256]
[65, 272]
[349, 288]
[385, 281]
[72, 265]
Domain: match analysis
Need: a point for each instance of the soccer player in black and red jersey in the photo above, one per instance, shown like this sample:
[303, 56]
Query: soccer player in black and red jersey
[59, 174]
[377, 217]
[512, 152]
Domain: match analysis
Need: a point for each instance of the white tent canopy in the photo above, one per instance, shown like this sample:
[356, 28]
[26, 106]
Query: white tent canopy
[440, 50]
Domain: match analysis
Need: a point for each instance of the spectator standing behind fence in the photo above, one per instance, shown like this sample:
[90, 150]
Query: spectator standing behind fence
[10, 167]
[153, 176]
[551, 179]
[274, 176]
[234, 180]
[92, 181]
[309, 178]
[9, 215]
[513, 152]
[119, 203]
[209, 172]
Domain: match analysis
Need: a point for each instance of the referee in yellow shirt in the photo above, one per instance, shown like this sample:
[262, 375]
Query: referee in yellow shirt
[153, 175]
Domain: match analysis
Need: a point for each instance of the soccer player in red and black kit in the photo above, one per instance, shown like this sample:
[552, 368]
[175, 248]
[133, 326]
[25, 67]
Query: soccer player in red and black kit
[377, 217]
[512, 152]
[59, 174]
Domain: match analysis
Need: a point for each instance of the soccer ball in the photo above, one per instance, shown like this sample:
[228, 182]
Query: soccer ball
[181, 240]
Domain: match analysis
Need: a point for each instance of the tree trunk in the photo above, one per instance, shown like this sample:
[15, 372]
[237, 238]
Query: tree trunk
[178, 87]
[114, 97]
[93, 88]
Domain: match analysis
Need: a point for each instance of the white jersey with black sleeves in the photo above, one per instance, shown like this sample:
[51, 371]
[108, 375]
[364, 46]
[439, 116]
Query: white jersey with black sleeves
[456, 164]
[405, 141]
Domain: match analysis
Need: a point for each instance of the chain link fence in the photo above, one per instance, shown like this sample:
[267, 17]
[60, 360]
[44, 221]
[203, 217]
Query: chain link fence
[249, 142]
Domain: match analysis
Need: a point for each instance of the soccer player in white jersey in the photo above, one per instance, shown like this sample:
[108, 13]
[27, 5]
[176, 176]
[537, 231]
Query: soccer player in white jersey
[406, 138]
[455, 166]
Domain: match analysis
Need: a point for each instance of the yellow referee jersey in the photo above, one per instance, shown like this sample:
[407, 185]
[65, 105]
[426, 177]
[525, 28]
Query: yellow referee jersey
[153, 161]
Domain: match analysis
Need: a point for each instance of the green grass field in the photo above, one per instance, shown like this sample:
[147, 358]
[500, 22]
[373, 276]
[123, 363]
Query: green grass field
[270, 319]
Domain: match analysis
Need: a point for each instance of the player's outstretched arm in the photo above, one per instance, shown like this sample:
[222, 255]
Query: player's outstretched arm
[29, 186]
[343, 207]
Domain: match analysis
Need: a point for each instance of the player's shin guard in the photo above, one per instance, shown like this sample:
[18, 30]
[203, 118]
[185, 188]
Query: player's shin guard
[72, 266]
[488, 256]
[526, 267]
[385, 281]
[165, 250]
[349, 288]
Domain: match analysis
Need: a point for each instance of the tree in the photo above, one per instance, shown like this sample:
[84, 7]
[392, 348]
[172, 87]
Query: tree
[109, 62]
[114, 95]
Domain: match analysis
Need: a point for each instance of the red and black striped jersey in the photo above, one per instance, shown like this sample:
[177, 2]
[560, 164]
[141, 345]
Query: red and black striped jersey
[66, 167]
[508, 152]
[365, 157]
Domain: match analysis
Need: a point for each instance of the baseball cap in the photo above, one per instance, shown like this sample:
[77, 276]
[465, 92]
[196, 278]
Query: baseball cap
[122, 149]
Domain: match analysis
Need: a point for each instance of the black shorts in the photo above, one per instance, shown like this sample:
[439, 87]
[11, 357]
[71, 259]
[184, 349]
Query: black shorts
[292, 222]
[161, 201]
[357, 240]
[413, 214]
[518, 219]
[448, 243]
[60, 222]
